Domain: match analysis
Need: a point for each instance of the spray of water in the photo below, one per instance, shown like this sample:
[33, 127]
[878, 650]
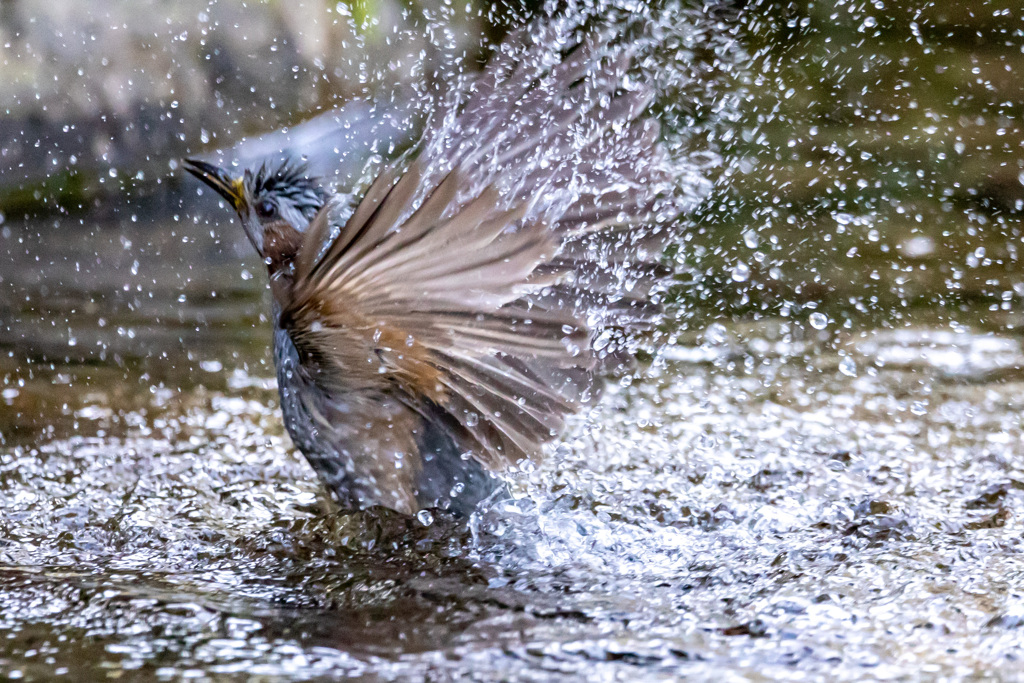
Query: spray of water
[680, 67]
[519, 254]
[650, 92]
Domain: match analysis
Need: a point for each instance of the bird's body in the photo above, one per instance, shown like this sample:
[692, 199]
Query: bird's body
[446, 326]
[374, 451]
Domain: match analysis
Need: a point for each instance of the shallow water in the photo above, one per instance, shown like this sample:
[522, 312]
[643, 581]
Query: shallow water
[771, 500]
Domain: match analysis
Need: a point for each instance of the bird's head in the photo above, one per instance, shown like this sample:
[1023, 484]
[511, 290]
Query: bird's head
[275, 204]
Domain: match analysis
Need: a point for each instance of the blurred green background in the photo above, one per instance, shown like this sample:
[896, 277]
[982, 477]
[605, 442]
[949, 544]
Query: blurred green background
[872, 161]
[875, 168]
[877, 165]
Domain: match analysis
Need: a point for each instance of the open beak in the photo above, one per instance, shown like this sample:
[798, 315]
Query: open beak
[218, 178]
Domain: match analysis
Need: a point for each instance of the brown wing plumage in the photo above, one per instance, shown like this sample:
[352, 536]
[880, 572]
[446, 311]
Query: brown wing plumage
[430, 311]
[466, 283]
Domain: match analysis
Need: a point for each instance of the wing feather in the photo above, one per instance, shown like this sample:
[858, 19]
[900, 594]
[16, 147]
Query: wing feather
[464, 283]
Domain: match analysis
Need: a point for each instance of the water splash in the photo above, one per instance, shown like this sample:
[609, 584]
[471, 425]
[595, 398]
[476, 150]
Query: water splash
[773, 501]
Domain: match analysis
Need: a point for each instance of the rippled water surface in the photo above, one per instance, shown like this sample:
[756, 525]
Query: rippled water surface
[820, 478]
[772, 499]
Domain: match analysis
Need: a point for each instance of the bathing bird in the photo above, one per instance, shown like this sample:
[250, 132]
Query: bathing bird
[437, 329]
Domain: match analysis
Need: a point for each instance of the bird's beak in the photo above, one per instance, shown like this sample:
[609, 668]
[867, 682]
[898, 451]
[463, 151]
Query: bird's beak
[219, 179]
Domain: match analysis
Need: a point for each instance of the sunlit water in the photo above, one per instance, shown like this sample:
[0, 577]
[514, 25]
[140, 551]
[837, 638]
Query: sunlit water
[773, 498]
[821, 477]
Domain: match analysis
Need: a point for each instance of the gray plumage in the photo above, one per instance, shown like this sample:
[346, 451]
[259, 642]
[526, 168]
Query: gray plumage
[446, 329]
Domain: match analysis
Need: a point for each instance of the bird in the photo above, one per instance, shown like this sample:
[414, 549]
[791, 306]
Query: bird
[441, 328]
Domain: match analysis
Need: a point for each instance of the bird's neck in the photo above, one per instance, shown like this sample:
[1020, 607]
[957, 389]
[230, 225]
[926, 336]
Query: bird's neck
[281, 281]
[281, 242]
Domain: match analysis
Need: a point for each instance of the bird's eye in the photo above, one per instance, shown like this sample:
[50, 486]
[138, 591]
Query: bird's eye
[266, 208]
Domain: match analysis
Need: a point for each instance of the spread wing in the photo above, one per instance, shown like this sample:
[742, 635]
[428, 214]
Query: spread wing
[431, 311]
[466, 283]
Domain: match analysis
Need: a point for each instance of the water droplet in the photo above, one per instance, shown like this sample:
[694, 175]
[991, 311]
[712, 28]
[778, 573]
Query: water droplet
[918, 246]
[819, 321]
[425, 517]
[715, 334]
[741, 272]
[211, 365]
